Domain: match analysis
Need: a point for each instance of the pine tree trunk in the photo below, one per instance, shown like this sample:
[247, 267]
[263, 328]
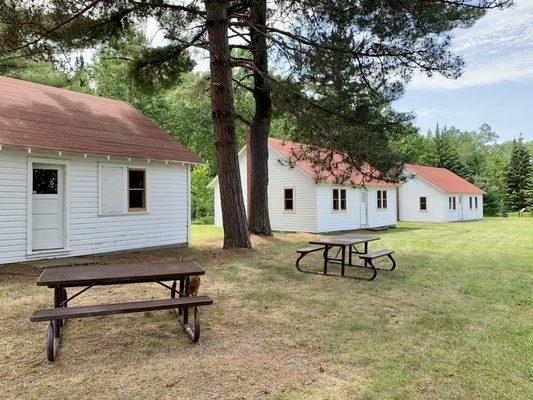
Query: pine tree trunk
[231, 199]
[258, 219]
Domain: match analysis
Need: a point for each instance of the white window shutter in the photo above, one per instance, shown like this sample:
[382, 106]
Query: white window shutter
[112, 189]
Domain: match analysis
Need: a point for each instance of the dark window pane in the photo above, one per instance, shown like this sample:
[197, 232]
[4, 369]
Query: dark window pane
[288, 204]
[44, 181]
[136, 199]
[384, 196]
[136, 179]
[423, 203]
[288, 194]
[288, 199]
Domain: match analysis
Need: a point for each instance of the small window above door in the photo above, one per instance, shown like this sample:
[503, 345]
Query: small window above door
[44, 181]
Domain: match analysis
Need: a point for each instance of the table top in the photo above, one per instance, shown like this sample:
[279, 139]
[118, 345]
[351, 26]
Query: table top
[344, 240]
[117, 274]
[364, 238]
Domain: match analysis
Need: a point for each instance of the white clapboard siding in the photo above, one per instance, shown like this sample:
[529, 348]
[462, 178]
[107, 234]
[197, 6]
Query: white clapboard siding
[437, 203]
[303, 218]
[330, 220]
[410, 193]
[381, 217]
[281, 176]
[165, 223]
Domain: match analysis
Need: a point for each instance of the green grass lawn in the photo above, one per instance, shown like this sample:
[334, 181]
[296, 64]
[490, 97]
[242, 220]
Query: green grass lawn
[454, 320]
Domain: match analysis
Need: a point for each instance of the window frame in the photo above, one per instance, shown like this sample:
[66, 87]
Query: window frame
[293, 209]
[339, 199]
[420, 203]
[382, 201]
[144, 190]
[452, 203]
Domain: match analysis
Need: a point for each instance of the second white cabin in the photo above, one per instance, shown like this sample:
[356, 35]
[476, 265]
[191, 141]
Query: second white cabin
[298, 202]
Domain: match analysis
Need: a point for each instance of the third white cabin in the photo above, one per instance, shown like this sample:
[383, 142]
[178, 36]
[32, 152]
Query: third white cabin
[433, 194]
[298, 201]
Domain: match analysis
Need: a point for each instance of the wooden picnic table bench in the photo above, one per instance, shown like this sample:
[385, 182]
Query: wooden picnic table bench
[347, 246]
[89, 276]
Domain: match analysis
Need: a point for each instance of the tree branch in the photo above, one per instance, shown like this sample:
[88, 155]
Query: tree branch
[58, 25]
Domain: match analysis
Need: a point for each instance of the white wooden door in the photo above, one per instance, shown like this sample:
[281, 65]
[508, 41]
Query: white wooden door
[460, 198]
[48, 214]
[364, 208]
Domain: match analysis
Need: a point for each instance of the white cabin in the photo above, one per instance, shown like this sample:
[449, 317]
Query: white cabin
[433, 194]
[299, 202]
[81, 174]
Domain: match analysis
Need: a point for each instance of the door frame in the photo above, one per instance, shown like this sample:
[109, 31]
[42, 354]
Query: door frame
[29, 205]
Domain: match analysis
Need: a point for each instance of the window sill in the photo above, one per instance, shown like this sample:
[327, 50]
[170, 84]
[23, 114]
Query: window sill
[37, 253]
[124, 214]
[289, 212]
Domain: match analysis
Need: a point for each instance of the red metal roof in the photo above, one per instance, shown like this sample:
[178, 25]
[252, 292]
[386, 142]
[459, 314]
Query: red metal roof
[287, 149]
[34, 115]
[444, 179]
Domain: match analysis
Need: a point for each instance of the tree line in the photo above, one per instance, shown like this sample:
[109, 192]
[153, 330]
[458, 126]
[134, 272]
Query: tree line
[331, 66]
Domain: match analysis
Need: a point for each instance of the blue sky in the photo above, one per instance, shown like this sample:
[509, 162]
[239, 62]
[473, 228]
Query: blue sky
[497, 83]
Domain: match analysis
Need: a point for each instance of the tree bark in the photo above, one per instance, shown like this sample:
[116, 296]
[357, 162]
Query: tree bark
[258, 216]
[233, 212]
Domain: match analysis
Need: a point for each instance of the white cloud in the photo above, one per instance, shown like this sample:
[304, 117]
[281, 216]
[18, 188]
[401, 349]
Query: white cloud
[498, 48]
[431, 112]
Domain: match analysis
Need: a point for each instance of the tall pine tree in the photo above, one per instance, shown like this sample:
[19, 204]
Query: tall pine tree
[443, 154]
[518, 177]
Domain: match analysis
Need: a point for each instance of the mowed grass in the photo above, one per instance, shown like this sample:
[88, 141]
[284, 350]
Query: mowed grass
[453, 321]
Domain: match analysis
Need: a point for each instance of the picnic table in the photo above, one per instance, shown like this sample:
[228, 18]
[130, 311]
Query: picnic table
[86, 277]
[347, 243]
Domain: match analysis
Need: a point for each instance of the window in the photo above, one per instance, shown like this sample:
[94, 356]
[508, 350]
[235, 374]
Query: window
[288, 199]
[475, 198]
[382, 199]
[136, 190]
[471, 202]
[339, 200]
[44, 181]
[452, 203]
[423, 203]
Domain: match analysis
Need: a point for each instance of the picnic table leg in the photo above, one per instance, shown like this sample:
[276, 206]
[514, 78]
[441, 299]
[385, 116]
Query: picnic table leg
[55, 327]
[173, 292]
[186, 292]
[326, 251]
[183, 313]
[343, 259]
[374, 269]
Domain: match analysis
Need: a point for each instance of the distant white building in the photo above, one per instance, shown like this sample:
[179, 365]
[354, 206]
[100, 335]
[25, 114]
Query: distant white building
[438, 195]
[299, 201]
[82, 174]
